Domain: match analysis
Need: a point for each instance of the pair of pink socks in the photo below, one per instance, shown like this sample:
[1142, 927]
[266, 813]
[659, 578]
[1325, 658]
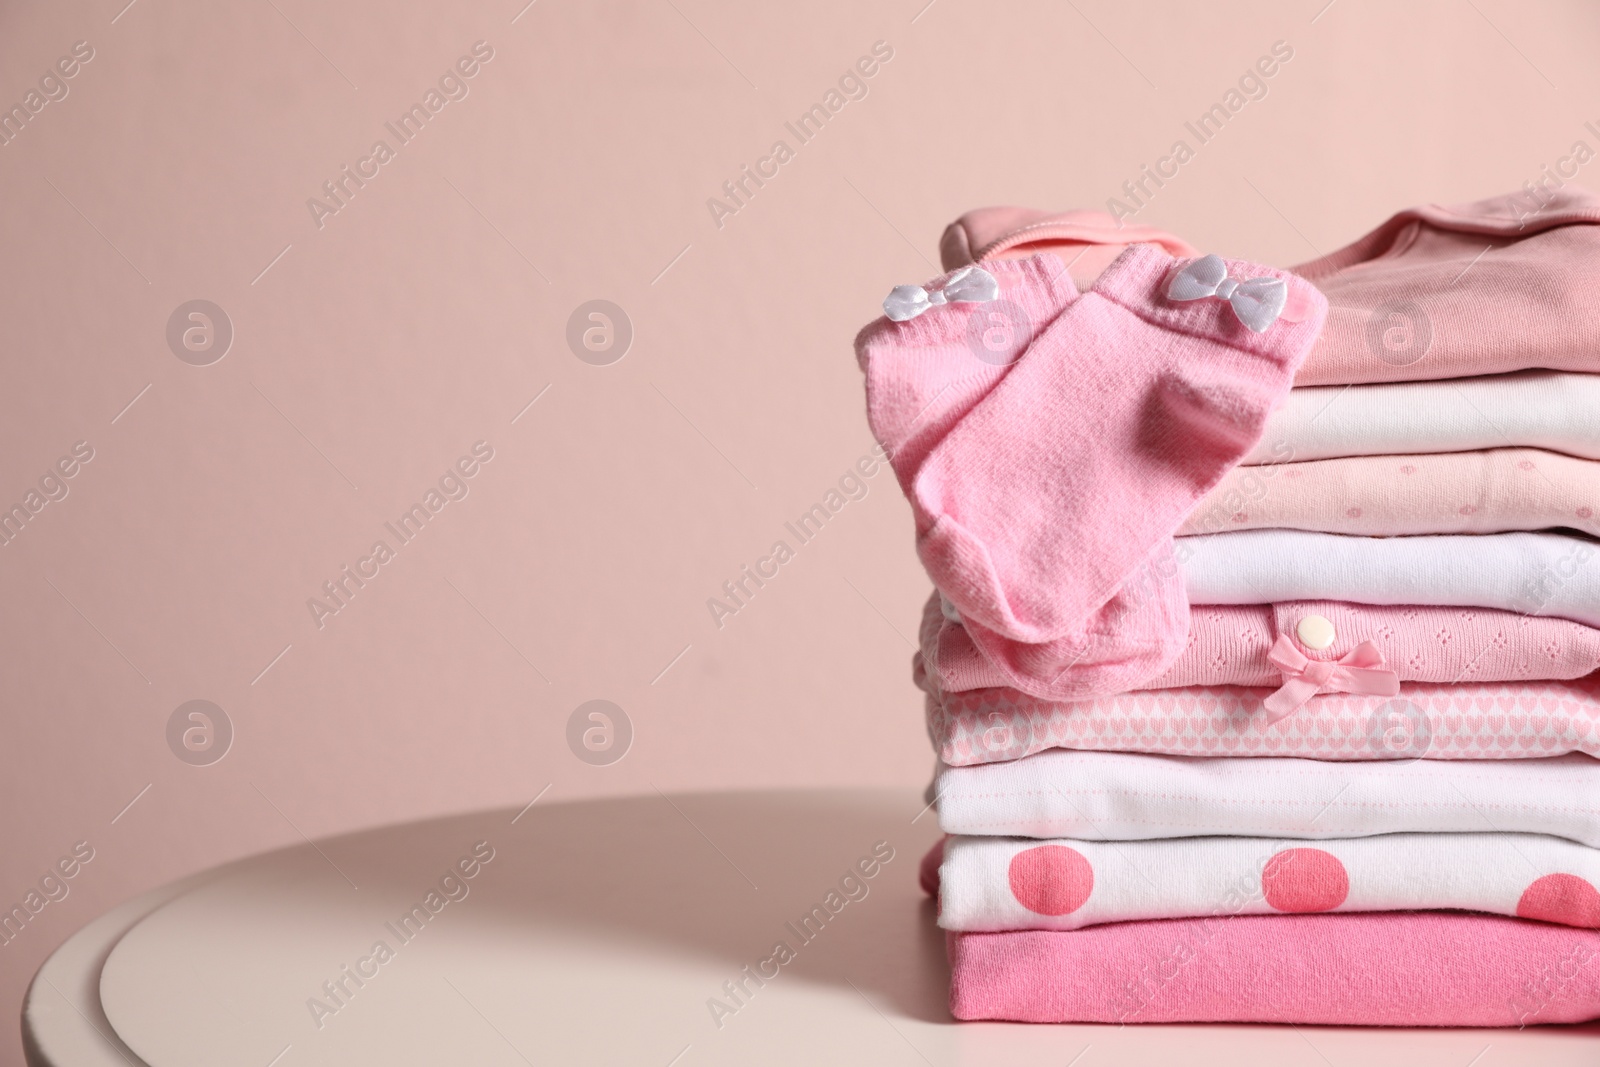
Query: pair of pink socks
[1048, 472]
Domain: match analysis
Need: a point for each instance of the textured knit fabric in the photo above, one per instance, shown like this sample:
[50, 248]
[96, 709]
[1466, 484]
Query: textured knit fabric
[1119, 796]
[1118, 415]
[1372, 969]
[926, 375]
[1435, 292]
[1533, 573]
[1228, 645]
[1009, 883]
[1058, 488]
[1533, 409]
[1436, 722]
[1454, 492]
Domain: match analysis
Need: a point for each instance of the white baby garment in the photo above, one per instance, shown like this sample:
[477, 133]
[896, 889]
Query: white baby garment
[1531, 573]
[1129, 796]
[1529, 409]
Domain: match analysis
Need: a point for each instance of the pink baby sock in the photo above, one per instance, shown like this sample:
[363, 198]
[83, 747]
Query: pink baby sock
[925, 375]
[1071, 472]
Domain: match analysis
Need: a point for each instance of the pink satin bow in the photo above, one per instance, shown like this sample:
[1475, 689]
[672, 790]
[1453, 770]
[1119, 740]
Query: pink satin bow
[1361, 672]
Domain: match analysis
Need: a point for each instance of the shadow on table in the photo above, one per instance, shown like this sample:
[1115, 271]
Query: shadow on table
[723, 876]
[718, 877]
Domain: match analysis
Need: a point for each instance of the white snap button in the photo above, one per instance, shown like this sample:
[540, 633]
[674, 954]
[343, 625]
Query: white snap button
[1315, 632]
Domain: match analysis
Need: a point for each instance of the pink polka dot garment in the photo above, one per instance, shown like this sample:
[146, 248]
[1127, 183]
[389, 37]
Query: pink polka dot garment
[1003, 883]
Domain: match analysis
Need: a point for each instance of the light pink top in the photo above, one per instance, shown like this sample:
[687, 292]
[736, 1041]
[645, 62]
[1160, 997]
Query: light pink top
[1495, 491]
[1498, 285]
[1228, 645]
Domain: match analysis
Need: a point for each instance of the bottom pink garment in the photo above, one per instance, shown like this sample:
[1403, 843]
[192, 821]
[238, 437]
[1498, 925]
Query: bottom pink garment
[1377, 969]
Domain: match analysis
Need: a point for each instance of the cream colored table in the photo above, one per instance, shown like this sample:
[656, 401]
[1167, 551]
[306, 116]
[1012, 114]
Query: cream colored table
[607, 933]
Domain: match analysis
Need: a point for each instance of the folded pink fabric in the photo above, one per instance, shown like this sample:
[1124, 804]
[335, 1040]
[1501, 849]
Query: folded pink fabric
[1374, 969]
[1381, 496]
[1501, 284]
[1445, 722]
[1498, 285]
[1089, 240]
[1233, 645]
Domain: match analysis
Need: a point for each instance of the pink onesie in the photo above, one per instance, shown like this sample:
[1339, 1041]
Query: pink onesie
[1501, 284]
[1232, 644]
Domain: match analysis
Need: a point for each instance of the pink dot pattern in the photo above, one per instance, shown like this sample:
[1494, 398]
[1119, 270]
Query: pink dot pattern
[1304, 880]
[1051, 879]
[1561, 898]
[1055, 880]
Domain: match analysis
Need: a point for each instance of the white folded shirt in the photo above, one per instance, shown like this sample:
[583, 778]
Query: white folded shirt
[1535, 409]
[1008, 883]
[1126, 796]
[1532, 573]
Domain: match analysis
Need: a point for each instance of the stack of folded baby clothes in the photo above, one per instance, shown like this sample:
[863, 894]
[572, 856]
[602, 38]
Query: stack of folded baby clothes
[1189, 620]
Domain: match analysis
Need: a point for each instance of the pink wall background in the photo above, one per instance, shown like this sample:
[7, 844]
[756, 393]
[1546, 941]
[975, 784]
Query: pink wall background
[372, 351]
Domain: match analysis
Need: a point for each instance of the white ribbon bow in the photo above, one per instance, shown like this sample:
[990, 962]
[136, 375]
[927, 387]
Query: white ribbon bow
[1256, 301]
[969, 285]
